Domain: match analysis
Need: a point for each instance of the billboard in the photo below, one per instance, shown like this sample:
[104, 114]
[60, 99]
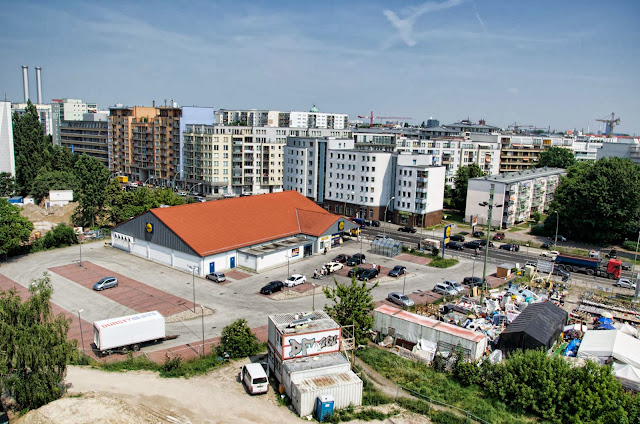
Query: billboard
[447, 233]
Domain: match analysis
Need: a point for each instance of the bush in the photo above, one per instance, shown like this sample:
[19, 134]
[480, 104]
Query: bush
[440, 262]
[630, 245]
[445, 417]
[538, 230]
[238, 341]
[536, 216]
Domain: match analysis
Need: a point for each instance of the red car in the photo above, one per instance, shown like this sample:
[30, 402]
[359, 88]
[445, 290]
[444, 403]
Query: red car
[341, 258]
[498, 236]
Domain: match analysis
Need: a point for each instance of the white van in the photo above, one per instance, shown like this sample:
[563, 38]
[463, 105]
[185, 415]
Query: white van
[254, 378]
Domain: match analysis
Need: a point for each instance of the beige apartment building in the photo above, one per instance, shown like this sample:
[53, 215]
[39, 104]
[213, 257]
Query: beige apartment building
[519, 153]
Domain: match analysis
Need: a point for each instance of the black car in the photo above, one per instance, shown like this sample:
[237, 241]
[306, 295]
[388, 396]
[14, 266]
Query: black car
[368, 274]
[547, 245]
[473, 245]
[456, 237]
[356, 259]
[455, 245]
[272, 287]
[373, 223]
[355, 271]
[561, 273]
[510, 247]
[472, 281]
[478, 233]
[341, 258]
[407, 229]
[483, 242]
[613, 254]
[397, 271]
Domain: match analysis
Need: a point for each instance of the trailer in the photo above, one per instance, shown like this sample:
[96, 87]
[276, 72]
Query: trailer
[126, 333]
[590, 266]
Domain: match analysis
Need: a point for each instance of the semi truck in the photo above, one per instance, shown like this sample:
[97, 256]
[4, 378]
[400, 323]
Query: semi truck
[126, 333]
[590, 266]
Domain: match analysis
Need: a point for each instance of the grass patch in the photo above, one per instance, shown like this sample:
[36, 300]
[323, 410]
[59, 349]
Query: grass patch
[440, 262]
[365, 414]
[77, 395]
[171, 368]
[422, 379]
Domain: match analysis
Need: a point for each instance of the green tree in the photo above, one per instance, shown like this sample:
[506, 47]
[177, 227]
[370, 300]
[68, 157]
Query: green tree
[122, 205]
[461, 180]
[556, 157]
[597, 201]
[62, 159]
[14, 228]
[60, 236]
[31, 148]
[237, 340]
[52, 180]
[352, 304]
[7, 184]
[34, 346]
[92, 179]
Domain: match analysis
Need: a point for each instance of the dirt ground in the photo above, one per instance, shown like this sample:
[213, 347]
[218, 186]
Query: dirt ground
[45, 219]
[146, 398]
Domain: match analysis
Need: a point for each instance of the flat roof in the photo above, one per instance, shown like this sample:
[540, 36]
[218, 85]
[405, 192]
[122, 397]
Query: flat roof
[309, 322]
[314, 362]
[513, 177]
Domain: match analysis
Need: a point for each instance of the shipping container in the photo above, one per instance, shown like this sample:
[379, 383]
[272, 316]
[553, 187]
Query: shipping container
[301, 335]
[346, 389]
[123, 179]
[128, 332]
[316, 366]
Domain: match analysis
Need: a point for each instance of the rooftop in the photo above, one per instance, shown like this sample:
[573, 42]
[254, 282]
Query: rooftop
[514, 177]
[307, 322]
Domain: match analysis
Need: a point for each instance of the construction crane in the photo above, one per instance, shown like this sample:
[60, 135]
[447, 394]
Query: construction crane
[611, 121]
[371, 117]
[515, 126]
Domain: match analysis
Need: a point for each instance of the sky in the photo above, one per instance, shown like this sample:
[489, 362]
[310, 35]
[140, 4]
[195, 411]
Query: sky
[545, 63]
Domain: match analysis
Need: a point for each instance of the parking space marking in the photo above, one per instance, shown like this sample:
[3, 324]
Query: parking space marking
[130, 293]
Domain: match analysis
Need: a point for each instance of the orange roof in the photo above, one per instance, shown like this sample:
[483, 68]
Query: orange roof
[221, 225]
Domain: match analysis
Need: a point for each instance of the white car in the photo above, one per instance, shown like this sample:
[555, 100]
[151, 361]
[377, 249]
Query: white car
[550, 254]
[625, 283]
[295, 280]
[333, 266]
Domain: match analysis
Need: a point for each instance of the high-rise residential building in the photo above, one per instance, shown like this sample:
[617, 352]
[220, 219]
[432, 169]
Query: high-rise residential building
[44, 115]
[467, 127]
[7, 154]
[89, 135]
[291, 119]
[67, 110]
[144, 142]
[432, 123]
[521, 152]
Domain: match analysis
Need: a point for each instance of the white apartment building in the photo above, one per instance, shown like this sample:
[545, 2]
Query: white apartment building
[7, 154]
[44, 114]
[291, 119]
[516, 195]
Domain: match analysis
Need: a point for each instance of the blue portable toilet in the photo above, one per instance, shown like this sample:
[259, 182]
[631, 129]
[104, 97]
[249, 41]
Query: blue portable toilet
[324, 407]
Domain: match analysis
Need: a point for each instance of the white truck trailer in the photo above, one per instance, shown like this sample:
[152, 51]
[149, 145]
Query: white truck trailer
[123, 333]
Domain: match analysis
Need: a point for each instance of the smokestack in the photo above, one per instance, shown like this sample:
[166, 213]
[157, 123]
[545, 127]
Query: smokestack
[25, 82]
[39, 84]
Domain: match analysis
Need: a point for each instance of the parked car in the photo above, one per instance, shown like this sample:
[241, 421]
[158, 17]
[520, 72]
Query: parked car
[510, 247]
[380, 236]
[368, 274]
[478, 234]
[373, 223]
[550, 254]
[333, 266]
[106, 283]
[400, 299]
[473, 245]
[561, 273]
[454, 285]
[445, 290]
[397, 271]
[341, 258]
[613, 254]
[625, 283]
[407, 229]
[531, 263]
[455, 245]
[456, 237]
[272, 287]
[199, 199]
[498, 236]
[547, 245]
[483, 242]
[560, 238]
[355, 271]
[356, 259]
[216, 277]
[472, 281]
[295, 280]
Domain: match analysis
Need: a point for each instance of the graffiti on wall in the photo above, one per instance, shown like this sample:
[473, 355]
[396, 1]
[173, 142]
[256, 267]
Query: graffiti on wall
[308, 345]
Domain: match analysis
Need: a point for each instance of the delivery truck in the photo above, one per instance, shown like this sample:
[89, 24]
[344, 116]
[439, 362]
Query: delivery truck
[590, 266]
[126, 333]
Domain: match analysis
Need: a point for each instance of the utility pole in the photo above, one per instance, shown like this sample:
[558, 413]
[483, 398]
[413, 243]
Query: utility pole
[490, 205]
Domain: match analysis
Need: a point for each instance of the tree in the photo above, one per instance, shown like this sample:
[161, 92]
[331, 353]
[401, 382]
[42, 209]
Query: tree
[92, 179]
[34, 346]
[556, 157]
[352, 304]
[423, 125]
[597, 201]
[14, 228]
[31, 148]
[121, 205]
[237, 340]
[52, 180]
[461, 180]
[62, 159]
[7, 184]
[60, 236]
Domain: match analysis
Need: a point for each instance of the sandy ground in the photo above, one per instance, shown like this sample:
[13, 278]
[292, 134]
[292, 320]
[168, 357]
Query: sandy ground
[146, 398]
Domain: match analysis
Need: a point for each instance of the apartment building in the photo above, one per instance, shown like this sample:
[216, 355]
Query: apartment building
[44, 114]
[291, 119]
[7, 154]
[467, 127]
[521, 152]
[144, 142]
[516, 195]
[88, 135]
[68, 110]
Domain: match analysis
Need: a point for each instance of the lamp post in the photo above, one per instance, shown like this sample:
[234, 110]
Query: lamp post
[80, 243]
[490, 205]
[557, 222]
[404, 283]
[633, 270]
[193, 283]
[313, 295]
[527, 250]
[81, 335]
[385, 216]
[174, 179]
[145, 181]
[199, 184]
[202, 317]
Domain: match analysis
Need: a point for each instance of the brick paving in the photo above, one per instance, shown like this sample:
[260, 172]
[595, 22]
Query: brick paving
[420, 260]
[236, 275]
[131, 293]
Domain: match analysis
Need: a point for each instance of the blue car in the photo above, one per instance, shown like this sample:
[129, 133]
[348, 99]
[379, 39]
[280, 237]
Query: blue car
[397, 271]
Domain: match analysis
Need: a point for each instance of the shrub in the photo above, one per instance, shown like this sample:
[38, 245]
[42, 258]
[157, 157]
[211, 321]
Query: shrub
[445, 417]
[536, 216]
[440, 262]
[237, 340]
[630, 245]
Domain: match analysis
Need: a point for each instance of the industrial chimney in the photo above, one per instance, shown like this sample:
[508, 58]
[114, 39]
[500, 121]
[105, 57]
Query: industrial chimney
[39, 84]
[25, 82]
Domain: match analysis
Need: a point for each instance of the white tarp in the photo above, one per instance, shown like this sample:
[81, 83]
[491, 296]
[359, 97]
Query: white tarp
[628, 375]
[627, 329]
[604, 344]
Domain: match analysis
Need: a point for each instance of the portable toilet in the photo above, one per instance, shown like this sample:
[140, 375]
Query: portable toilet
[324, 407]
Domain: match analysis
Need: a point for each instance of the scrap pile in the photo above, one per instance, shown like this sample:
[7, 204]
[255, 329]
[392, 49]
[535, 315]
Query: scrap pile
[593, 306]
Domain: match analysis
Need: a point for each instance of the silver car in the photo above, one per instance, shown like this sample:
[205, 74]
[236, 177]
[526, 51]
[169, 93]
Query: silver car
[400, 299]
[216, 277]
[444, 289]
[454, 285]
[106, 283]
[625, 283]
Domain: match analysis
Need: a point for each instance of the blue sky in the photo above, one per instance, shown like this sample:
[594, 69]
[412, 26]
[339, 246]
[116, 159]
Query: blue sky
[544, 63]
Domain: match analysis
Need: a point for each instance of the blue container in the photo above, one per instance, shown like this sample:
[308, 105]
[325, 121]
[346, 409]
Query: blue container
[324, 407]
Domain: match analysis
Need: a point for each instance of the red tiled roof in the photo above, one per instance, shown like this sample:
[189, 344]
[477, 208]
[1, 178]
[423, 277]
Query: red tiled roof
[221, 225]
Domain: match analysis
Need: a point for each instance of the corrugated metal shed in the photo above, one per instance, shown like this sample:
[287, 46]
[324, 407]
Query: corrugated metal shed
[346, 389]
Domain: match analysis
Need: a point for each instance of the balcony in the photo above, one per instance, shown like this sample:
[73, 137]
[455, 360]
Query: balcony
[421, 190]
[422, 179]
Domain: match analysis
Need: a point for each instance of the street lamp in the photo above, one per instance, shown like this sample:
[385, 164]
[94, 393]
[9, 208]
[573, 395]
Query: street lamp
[633, 270]
[490, 205]
[173, 184]
[313, 295]
[202, 317]
[81, 335]
[145, 181]
[80, 243]
[199, 184]
[193, 283]
[404, 283]
[385, 215]
[557, 222]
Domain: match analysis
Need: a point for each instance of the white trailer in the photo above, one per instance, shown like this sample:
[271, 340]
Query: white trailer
[129, 332]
